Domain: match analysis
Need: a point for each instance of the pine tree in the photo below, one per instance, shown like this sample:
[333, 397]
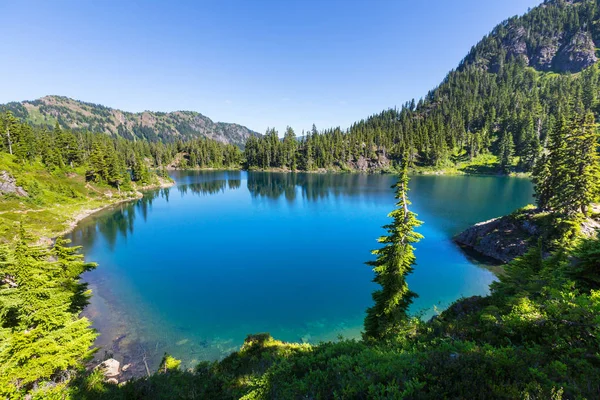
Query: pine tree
[558, 169]
[72, 264]
[40, 335]
[541, 182]
[584, 163]
[506, 150]
[140, 171]
[96, 171]
[395, 260]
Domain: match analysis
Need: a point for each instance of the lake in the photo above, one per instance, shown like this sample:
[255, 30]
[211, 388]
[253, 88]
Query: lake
[191, 270]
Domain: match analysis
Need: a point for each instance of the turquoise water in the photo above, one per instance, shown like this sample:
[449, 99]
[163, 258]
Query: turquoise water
[193, 269]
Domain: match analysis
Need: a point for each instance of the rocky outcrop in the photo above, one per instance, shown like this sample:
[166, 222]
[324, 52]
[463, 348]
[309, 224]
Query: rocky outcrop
[545, 53]
[511, 236]
[8, 185]
[515, 44]
[578, 53]
[502, 239]
[364, 164]
[557, 36]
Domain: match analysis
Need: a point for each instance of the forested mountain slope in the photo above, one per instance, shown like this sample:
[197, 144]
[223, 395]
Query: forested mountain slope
[152, 126]
[502, 101]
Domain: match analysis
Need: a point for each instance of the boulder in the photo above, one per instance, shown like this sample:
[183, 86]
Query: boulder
[8, 185]
[110, 368]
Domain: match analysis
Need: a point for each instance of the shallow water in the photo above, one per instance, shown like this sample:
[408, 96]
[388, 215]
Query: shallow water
[193, 269]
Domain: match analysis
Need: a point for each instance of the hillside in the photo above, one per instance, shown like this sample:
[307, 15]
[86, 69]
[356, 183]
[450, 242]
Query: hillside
[505, 96]
[501, 103]
[559, 36]
[153, 126]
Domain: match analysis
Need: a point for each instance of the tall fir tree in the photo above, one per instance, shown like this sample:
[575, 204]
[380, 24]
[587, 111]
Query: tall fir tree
[395, 260]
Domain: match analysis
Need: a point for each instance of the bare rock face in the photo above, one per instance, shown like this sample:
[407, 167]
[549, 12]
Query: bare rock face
[577, 54]
[110, 368]
[8, 184]
[542, 59]
[515, 43]
[370, 164]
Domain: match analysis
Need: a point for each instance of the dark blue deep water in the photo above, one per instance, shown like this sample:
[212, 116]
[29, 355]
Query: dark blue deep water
[193, 269]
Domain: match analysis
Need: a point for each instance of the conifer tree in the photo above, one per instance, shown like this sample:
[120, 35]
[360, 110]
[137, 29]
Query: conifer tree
[395, 260]
[97, 164]
[40, 336]
[506, 150]
[72, 266]
[583, 161]
[140, 171]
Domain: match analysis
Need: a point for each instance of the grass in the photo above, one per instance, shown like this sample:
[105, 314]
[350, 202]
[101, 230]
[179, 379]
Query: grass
[55, 199]
[462, 164]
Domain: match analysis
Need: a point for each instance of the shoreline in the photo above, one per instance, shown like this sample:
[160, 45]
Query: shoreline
[137, 194]
[413, 171]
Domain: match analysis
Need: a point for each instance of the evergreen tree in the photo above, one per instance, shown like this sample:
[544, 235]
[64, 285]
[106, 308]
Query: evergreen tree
[72, 264]
[395, 260]
[583, 160]
[506, 150]
[40, 335]
[96, 171]
[140, 171]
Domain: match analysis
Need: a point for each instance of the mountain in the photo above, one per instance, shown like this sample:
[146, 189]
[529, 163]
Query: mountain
[504, 97]
[558, 36]
[153, 126]
[493, 113]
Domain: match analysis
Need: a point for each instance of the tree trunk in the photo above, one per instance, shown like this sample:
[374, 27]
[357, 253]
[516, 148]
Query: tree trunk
[9, 142]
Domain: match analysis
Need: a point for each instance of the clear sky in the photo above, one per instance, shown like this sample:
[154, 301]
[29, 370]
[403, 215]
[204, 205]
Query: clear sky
[260, 63]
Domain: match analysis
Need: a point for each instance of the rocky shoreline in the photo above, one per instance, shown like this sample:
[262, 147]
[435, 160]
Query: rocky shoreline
[505, 238]
[502, 239]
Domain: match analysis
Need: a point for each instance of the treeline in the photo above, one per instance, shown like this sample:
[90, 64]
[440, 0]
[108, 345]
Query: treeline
[208, 153]
[110, 160]
[113, 161]
[509, 114]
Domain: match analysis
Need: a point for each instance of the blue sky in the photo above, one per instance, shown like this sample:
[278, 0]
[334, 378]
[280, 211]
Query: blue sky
[262, 64]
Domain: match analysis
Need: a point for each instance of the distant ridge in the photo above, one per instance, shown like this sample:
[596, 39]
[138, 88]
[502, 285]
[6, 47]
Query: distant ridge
[153, 126]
